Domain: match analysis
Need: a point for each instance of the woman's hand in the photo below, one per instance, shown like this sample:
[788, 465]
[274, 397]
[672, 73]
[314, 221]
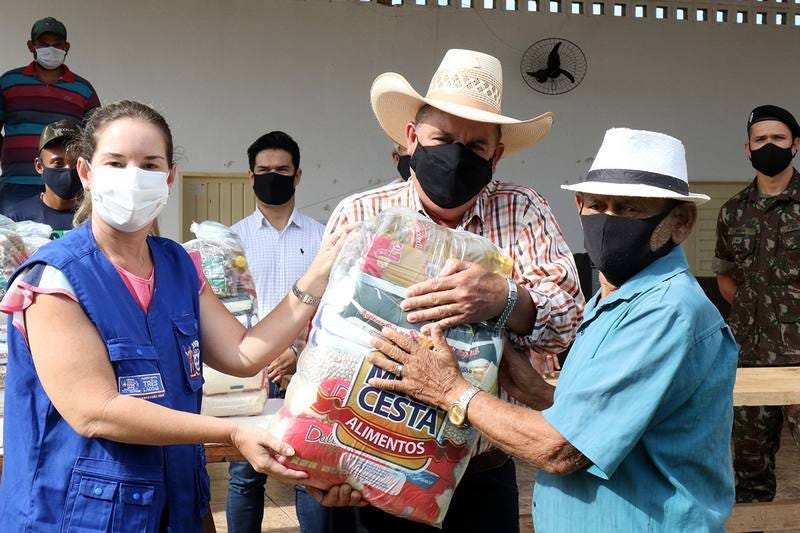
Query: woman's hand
[429, 373]
[315, 280]
[259, 448]
[339, 496]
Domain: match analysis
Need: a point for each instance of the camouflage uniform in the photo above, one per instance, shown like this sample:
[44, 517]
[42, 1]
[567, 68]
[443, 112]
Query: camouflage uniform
[758, 245]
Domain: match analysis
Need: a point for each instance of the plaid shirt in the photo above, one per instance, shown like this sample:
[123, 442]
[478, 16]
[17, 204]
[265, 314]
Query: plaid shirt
[520, 223]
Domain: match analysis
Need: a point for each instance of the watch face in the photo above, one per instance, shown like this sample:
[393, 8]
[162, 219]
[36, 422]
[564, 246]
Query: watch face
[456, 415]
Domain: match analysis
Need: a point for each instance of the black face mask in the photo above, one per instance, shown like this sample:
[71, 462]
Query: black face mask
[403, 167]
[273, 188]
[770, 159]
[619, 247]
[64, 182]
[450, 174]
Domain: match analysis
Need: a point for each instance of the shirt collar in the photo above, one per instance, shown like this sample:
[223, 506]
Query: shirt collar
[656, 272]
[792, 190]
[66, 74]
[294, 219]
[478, 209]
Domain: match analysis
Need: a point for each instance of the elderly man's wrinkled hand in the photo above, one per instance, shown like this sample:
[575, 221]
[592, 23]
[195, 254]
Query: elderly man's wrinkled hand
[429, 373]
[463, 293]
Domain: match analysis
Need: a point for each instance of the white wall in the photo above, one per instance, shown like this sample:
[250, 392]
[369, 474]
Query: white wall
[223, 72]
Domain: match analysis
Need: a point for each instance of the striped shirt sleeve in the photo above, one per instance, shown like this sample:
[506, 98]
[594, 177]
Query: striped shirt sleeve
[545, 267]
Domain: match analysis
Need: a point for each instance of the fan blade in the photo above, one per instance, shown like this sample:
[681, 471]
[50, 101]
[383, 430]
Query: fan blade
[569, 76]
[539, 75]
[553, 59]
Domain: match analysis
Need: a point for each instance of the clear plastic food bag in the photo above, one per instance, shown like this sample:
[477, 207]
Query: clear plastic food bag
[224, 264]
[403, 455]
[12, 254]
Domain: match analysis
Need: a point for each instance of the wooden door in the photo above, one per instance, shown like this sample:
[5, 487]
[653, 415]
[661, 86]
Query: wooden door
[225, 198]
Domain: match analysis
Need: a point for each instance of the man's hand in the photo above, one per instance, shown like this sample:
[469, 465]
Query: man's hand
[545, 364]
[281, 366]
[463, 293]
[428, 372]
[339, 496]
[521, 381]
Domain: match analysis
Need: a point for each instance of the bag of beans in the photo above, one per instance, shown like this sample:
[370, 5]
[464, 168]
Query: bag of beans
[403, 455]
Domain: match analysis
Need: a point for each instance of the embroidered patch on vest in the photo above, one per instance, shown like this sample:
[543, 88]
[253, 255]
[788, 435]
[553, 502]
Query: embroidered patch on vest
[192, 353]
[146, 386]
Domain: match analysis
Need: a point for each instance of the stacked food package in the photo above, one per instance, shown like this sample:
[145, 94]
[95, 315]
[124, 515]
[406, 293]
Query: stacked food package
[403, 455]
[18, 241]
[224, 264]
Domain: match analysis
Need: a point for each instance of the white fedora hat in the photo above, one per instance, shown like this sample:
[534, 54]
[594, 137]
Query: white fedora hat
[467, 84]
[639, 163]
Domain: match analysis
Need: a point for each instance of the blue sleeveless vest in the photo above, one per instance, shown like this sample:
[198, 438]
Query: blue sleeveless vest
[56, 480]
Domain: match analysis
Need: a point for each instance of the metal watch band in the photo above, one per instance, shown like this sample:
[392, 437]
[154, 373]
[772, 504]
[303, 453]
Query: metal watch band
[294, 349]
[464, 399]
[510, 303]
[304, 297]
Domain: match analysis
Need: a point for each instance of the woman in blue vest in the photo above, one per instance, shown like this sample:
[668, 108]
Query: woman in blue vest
[111, 328]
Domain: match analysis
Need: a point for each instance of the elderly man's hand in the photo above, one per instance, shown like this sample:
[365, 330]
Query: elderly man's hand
[428, 373]
[463, 293]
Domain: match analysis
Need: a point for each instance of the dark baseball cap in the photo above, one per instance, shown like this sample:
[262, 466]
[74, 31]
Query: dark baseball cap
[773, 112]
[48, 25]
[63, 130]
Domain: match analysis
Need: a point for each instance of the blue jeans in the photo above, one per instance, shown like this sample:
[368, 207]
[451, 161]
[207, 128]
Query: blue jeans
[13, 193]
[245, 507]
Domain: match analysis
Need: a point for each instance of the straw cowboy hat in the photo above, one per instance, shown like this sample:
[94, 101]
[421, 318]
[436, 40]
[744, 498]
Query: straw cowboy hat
[467, 84]
[639, 163]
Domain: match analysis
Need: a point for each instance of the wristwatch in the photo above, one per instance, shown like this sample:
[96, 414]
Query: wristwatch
[304, 297]
[510, 303]
[457, 414]
[294, 349]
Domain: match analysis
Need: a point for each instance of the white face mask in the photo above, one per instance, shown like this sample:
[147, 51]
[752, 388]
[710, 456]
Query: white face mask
[50, 57]
[130, 198]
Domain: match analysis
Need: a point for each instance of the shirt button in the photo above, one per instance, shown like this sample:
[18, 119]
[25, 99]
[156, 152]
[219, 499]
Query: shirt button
[98, 491]
[136, 496]
[138, 351]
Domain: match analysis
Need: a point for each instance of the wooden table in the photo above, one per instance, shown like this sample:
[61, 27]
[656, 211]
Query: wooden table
[766, 386]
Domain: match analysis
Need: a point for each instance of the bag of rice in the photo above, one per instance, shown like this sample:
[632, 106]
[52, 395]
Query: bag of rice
[403, 455]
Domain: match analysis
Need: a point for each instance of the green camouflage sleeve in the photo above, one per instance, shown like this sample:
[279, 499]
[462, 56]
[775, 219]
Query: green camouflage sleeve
[723, 262]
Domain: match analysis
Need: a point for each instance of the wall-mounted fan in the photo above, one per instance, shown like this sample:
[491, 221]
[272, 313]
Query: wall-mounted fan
[553, 66]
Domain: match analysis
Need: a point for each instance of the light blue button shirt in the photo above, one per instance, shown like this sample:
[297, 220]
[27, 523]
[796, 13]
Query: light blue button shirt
[646, 395]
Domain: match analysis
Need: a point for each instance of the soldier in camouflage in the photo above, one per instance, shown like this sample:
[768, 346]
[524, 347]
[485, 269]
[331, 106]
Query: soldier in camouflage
[757, 261]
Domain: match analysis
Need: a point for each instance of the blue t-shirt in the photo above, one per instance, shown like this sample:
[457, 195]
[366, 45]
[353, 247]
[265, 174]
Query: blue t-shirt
[646, 395]
[34, 209]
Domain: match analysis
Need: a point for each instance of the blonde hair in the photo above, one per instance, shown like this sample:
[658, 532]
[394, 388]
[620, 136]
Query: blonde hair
[97, 121]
